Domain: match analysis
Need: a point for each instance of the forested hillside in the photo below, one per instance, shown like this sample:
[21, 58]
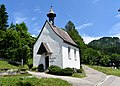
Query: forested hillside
[110, 48]
[106, 44]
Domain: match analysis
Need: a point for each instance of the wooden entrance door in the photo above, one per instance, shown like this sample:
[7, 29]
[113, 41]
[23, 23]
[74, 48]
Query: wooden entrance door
[46, 62]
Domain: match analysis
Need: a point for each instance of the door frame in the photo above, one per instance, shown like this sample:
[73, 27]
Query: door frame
[46, 62]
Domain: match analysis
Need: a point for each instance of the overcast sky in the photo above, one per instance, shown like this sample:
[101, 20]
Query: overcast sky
[92, 18]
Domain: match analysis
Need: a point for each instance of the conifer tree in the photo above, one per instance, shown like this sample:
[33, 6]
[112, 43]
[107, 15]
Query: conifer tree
[70, 28]
[3, 18]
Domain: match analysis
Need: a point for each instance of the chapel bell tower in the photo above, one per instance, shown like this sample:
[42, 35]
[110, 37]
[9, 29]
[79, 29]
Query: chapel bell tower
[51, 15]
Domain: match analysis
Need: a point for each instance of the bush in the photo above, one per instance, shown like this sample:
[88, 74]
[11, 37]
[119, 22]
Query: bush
[34, 68]
[30, 66]
[41, 68]
[79, 71]
[24, 66]
[67, 71]
[54, 70]
[58, 71]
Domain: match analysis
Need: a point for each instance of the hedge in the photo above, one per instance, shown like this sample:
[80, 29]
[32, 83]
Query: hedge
[58, 71]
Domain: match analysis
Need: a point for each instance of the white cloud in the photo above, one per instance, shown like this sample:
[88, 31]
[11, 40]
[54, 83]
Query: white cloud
[116, 35]
[115, 29]
[87, 39]
[36, 29]
[37, 10]
[33, 35]
[84, 25]
[33, 18]
[19, 18]
[114, 32]
[117, 16]
[35, 24]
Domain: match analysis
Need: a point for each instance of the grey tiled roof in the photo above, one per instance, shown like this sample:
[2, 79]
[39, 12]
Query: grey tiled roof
[63, 35]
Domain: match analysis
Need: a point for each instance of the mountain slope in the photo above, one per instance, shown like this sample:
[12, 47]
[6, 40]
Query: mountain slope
[107, 44]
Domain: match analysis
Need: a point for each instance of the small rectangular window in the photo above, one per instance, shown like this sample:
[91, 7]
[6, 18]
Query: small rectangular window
[69, 52]
[75, 54]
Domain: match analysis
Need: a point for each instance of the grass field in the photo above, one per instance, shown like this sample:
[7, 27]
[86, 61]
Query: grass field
[4, 64]
[79, 75]
[107, 70]
[18, 81]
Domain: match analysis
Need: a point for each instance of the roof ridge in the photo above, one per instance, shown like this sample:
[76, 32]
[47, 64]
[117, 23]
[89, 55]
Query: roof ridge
[63, 35]
[61, 29]
[65, 32]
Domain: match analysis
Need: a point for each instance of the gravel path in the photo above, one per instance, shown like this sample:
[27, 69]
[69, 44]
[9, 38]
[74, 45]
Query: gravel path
[93, 77]
[99, 78]
[72, 80]
[110, 81]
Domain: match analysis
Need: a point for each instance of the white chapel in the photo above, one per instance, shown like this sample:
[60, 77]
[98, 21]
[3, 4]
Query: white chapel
[54, 46]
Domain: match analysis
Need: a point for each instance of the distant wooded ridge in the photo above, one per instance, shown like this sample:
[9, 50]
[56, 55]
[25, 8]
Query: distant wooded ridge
[106, 44]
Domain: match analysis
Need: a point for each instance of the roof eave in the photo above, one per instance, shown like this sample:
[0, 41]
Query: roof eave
[72, 44]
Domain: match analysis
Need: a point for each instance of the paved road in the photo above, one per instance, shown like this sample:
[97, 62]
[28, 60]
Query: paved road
[94, 78]
[72, 80]
[110, 81]
[100, 79]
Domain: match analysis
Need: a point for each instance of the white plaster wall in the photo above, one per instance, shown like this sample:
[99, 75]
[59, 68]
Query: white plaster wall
[70, 62]
[55, 44]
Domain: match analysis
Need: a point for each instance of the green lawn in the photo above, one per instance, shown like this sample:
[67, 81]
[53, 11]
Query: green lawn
[79, 75]
[106, 70]
[17, 80]
[4, 64]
